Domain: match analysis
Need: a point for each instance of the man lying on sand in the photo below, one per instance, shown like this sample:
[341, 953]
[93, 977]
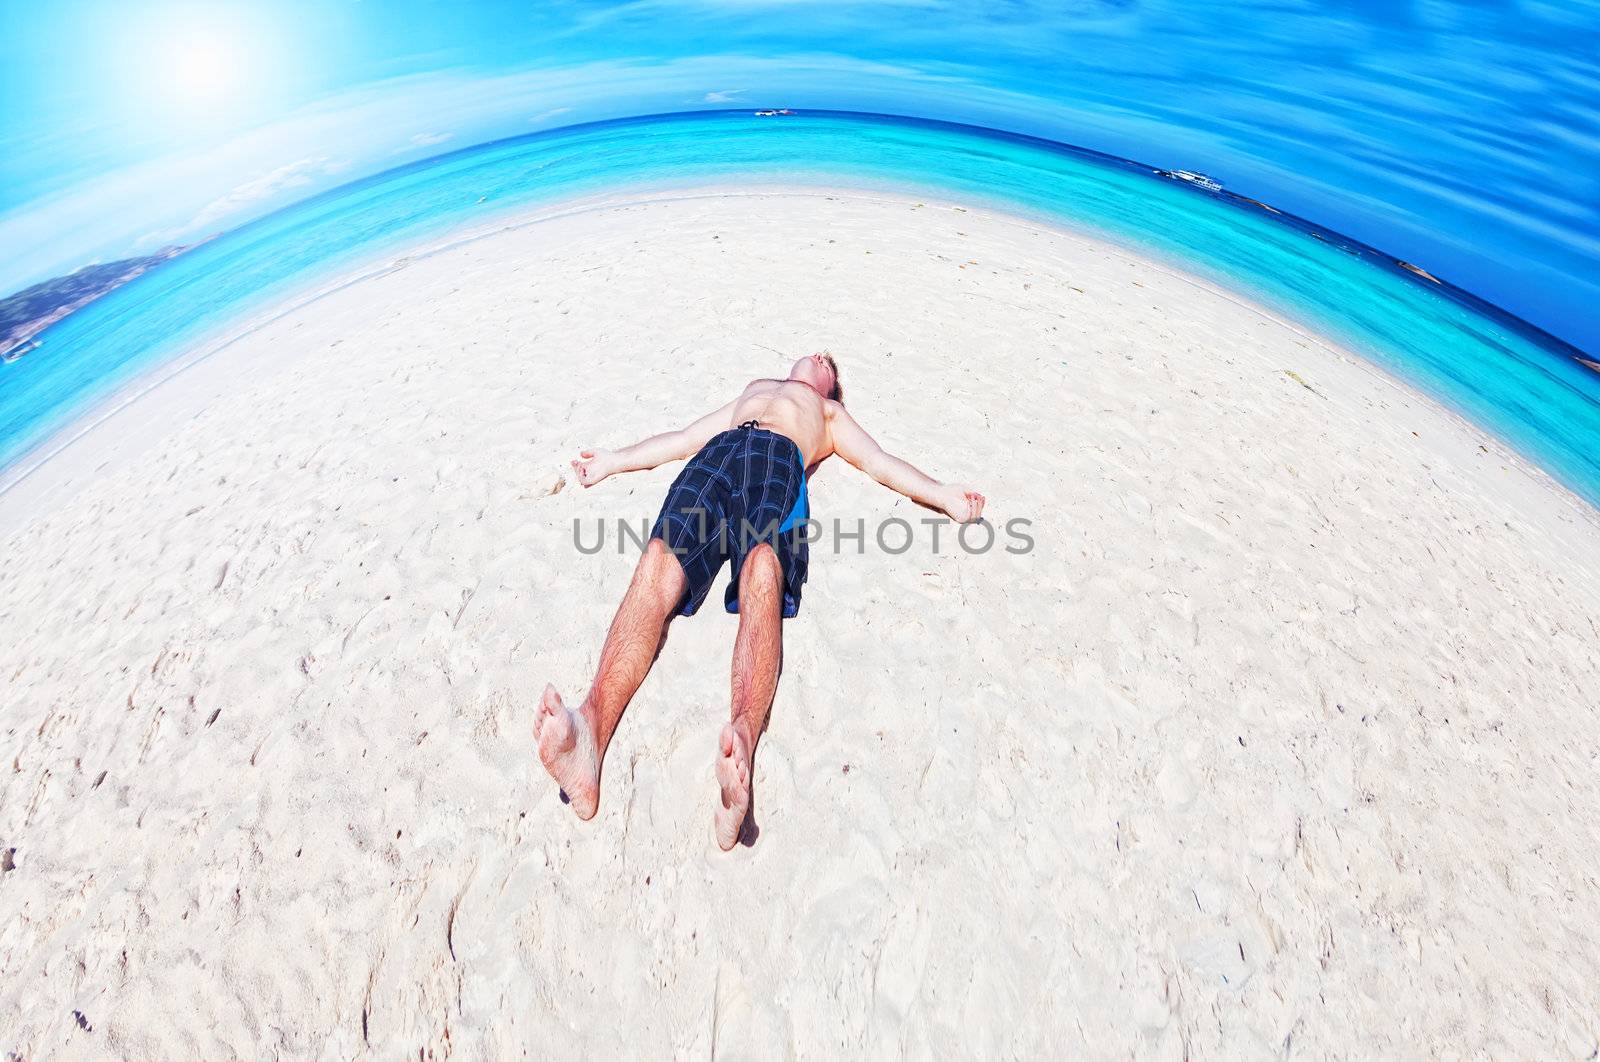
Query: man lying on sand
[741, 498]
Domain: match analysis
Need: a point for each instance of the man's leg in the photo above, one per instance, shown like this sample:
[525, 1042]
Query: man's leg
[756, 654]
[572, 745]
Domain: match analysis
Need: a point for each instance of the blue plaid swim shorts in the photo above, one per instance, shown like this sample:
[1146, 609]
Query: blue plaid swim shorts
[745, 487]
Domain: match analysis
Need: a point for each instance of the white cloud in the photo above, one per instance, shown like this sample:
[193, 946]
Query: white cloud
[249, 195]
[430, 139]
[725, 96]
[261, 169]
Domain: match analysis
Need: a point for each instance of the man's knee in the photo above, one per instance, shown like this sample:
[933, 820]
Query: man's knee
[661, 572]
[762, 572]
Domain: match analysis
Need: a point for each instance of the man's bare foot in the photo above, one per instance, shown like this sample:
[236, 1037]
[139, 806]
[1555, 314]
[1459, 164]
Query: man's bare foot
[566, 748]
[733, 777]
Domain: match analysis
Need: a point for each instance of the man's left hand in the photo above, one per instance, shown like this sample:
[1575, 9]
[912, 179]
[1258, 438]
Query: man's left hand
[964, 506]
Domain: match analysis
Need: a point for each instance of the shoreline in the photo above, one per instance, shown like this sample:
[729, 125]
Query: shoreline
[14, 478]
[1281, 730]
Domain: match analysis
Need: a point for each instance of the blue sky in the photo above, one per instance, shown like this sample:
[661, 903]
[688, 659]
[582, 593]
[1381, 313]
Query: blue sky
[1466, 138]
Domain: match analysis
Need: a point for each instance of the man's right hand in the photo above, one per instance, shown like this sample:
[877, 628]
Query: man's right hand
[592, 466]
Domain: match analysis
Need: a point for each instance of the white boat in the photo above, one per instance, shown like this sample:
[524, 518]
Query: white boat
[12, 353]
[1199, 180]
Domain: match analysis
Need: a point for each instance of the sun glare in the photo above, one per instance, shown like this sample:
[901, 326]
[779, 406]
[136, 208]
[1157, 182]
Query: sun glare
[188, 68]
[202, 65]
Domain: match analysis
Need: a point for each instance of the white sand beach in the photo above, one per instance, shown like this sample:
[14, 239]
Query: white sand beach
[1280, 742]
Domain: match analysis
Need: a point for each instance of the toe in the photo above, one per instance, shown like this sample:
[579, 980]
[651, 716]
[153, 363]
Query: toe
[549, 705]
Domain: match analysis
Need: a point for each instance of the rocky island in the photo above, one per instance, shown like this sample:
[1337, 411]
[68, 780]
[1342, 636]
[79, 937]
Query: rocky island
[29, 312]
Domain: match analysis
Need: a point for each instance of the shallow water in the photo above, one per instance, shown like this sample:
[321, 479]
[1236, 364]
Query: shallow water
[1520, 386]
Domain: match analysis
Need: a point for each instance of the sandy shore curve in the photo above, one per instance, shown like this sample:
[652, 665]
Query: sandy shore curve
[1280, 738]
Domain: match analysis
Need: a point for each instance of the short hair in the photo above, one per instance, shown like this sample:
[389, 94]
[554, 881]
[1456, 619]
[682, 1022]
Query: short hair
[837, 394]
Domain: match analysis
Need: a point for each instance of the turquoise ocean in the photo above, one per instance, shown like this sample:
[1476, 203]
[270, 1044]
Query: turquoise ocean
[1515, 382]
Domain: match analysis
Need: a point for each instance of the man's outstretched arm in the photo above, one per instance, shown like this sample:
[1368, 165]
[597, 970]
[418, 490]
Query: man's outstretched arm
[851, 442]
[594, 465]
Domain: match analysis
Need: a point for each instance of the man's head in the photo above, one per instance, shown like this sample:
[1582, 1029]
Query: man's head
[819, 372]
